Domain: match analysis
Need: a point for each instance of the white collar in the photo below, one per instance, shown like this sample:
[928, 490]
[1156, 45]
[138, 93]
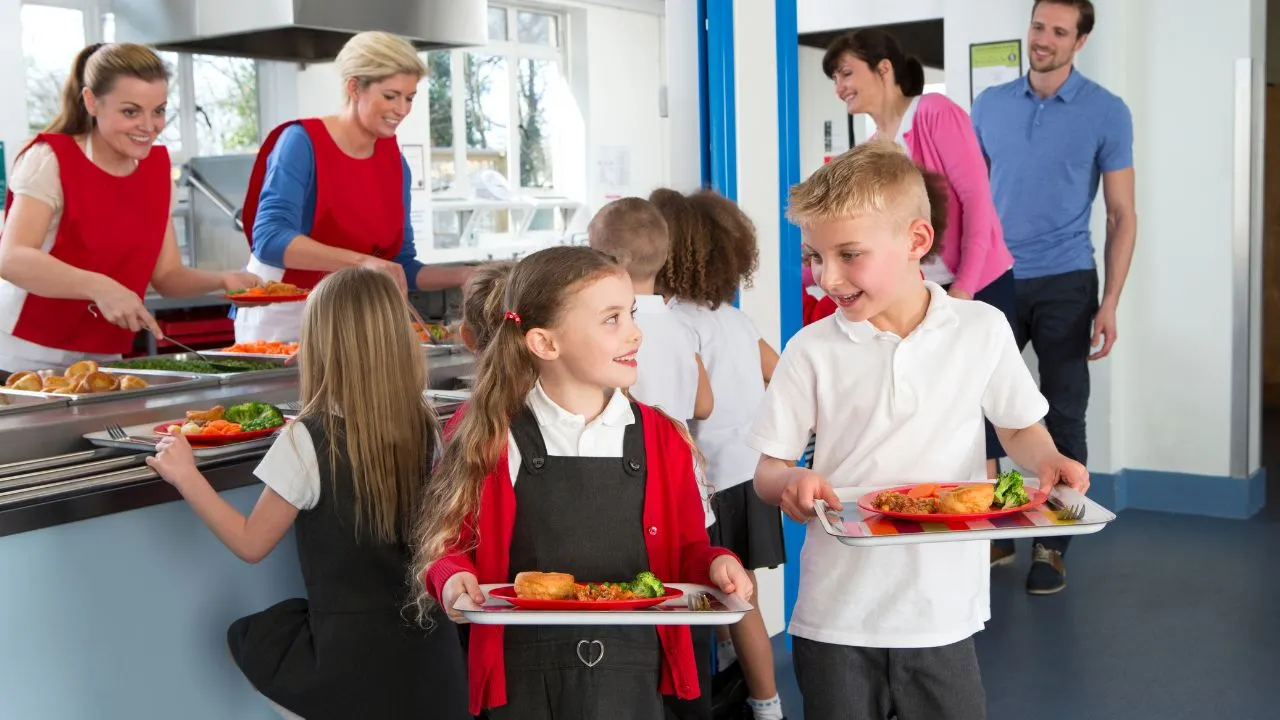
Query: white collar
[617, 413]
[940, 314]
[908, 118]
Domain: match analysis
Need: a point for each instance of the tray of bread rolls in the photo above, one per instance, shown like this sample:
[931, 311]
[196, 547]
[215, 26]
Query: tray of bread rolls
[909, 515]
[86, 382]
[677, 604]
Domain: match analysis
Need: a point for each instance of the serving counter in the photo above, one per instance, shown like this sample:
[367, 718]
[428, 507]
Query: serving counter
[114, 599]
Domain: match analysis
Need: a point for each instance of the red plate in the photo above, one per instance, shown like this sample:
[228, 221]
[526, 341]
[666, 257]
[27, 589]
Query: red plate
[1038, 498]
[207, 440]
[508, 593]
[242, 299]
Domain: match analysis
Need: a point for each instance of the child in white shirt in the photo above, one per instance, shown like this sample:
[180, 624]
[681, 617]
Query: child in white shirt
[895, 385]
[671, 375]
[713, 253]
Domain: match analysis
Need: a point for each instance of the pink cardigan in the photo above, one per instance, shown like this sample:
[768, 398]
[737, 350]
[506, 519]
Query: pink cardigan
[941, 139]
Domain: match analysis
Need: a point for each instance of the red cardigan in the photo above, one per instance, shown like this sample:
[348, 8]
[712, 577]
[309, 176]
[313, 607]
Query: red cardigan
[675, 537]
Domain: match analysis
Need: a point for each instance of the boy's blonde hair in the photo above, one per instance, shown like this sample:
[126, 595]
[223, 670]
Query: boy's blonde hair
[876, 178]
[634, 232]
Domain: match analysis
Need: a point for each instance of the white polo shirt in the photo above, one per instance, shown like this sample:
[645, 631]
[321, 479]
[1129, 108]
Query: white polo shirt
[667, 372]
[888, 411]
[730, 347]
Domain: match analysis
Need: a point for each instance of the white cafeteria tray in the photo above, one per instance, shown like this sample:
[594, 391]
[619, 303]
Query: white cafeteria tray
[102, 439]
[726, 610]
[853, 527]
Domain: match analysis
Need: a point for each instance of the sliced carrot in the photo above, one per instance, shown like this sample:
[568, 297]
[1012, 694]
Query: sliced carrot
[923, 490]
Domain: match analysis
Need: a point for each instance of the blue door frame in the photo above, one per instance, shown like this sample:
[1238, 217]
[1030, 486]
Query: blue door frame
[720, 172]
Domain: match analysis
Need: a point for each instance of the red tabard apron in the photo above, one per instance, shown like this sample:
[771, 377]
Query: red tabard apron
[359, 202]
[114, 226]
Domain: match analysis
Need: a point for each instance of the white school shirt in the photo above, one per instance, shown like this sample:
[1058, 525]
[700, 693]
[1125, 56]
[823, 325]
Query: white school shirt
[568, 435]
[889, 411]
[667, 371]
[730, 347]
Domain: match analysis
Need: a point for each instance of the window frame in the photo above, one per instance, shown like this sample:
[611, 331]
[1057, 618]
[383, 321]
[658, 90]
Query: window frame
[94, 13]
[513, 52]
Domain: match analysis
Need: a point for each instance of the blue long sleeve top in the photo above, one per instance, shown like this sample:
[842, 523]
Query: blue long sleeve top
[287, 204]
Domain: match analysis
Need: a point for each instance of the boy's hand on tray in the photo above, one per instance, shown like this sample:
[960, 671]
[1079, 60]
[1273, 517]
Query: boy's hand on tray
[1058, 468]
[805, 487]
[729, 575]
[463, 583]
[173, 459]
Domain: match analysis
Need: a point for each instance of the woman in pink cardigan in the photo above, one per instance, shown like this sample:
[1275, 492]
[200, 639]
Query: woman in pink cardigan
[873, 76]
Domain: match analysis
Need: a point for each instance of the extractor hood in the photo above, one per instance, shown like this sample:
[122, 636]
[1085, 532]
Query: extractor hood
[302, 31]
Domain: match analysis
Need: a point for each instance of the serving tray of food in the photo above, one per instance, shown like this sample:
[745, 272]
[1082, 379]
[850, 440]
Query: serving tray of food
[10, 404]
[559, 599]
[263, 349]
[191, 364]
[1003, 509]
[85, 382]
[212, 432]
[272, 292]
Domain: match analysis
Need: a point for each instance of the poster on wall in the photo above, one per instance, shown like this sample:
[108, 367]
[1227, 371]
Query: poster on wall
[415, 156]
[993, 63]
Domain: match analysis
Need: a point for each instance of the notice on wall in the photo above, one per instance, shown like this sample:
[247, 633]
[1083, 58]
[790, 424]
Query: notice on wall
[416, 156]
[613, 168]
[993, 63]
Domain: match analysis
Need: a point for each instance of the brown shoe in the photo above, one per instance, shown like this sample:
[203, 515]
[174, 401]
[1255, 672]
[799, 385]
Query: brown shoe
[1001, 555]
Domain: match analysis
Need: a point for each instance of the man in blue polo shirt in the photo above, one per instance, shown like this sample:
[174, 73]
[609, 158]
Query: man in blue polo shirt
[1049, 138]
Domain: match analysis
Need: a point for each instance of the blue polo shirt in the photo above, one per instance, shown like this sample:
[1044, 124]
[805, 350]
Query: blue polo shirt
[1047, 157]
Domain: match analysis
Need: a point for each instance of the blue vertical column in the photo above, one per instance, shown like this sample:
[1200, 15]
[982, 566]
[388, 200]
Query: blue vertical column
[791, 303]
[720, 171]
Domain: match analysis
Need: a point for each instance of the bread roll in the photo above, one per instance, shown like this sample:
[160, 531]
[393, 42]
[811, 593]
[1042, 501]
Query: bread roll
[25, 380]
[132, 382]
[967, 499]
[545, 586]
[81, 368]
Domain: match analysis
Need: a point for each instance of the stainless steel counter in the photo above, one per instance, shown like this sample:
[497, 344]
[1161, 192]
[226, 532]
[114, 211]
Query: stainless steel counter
[49, 474]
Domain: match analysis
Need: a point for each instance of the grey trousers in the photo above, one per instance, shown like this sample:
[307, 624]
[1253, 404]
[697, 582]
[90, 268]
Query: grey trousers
[840, 682]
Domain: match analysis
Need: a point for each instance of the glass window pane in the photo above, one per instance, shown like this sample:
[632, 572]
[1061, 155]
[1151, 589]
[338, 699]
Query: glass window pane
[537, 78]
[171, 136]
[497, 23]
[536, 28]
[226, 112]
[51, 37]
[440, 107]
[488, 110]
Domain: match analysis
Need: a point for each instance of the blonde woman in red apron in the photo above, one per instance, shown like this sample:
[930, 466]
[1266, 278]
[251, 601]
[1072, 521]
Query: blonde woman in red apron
[88, 219]
[333, 192]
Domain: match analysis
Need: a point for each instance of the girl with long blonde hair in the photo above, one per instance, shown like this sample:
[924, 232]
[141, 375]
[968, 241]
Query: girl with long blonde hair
[347, 475]
[554, 468]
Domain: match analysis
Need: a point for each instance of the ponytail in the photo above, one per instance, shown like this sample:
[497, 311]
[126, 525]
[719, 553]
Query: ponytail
[97, 67]
[73, 118]
[910, 77]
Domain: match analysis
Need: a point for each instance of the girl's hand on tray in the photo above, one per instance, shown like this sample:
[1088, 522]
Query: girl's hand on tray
[458, 585]
[173, 460]
[805, 487]
[729, 575]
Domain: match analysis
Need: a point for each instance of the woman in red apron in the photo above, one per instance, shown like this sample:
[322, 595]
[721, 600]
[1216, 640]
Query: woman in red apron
[333, 192]
[87, 219]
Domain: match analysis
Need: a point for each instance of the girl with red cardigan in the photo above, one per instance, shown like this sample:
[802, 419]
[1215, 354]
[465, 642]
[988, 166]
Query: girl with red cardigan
[554, 469]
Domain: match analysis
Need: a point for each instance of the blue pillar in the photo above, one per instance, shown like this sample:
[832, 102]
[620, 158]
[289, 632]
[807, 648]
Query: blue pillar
[719, 111]
[791, 302]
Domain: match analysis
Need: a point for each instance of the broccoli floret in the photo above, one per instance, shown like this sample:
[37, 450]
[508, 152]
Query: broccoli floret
[646, 584]
[255, 416]
[1009, 490]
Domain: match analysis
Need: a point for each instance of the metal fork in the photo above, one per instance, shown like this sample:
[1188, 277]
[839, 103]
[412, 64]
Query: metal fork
[1067, 513]
[698, 600]
[294, 407]
[118, 433]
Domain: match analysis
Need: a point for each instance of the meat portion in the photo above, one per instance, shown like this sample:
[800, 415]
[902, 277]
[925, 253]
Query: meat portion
[899, 503]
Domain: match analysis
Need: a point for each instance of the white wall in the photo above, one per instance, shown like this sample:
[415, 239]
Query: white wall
[683, 123]
[1163, 399]
[818, 15]
[13, 84]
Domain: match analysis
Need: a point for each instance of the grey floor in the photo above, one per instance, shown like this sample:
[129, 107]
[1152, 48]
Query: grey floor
[1165, 617]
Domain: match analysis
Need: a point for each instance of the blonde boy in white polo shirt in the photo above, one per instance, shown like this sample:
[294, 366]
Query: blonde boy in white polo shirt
[895, 385]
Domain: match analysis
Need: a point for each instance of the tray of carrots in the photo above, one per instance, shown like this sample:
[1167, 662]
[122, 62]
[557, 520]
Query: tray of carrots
[258, 349]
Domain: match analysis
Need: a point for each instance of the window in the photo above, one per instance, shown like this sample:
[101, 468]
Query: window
[213, 101]
[511, 93]
[51, 37]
